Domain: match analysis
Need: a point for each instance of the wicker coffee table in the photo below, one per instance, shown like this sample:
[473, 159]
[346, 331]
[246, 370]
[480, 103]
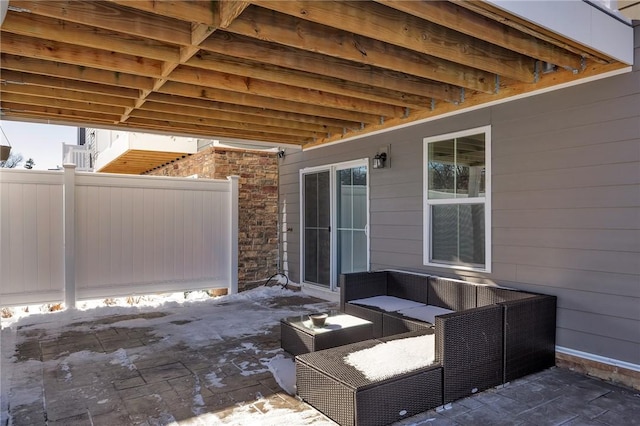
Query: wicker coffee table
[299, 336]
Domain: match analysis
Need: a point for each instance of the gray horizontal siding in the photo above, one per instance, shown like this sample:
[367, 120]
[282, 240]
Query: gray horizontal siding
[579, 239]
[569, 198]
[608, 217]
[609, 283]
[585, 341]
[565, 205]
[614, 327]
[586, 260]
[599, 165]
[581, 136]
[548, 180]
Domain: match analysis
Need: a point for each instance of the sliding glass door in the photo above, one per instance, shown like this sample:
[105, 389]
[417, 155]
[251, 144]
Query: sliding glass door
[317, 228]
[335, 217]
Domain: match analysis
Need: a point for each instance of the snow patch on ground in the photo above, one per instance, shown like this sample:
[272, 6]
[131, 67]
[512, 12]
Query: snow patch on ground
[284, 371]
[123, 359]
[198, 402]
[64, 366]
[214, 381]
[249, 414]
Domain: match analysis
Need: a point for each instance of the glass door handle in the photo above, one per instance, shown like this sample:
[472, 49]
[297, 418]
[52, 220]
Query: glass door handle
[366, 230]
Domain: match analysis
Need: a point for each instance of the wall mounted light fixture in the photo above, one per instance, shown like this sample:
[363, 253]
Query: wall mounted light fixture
[379, 159]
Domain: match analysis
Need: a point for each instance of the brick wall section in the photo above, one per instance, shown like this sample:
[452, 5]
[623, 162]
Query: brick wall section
[258, 203]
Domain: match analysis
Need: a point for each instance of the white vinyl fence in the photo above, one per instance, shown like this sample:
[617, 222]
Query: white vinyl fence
[67, 235]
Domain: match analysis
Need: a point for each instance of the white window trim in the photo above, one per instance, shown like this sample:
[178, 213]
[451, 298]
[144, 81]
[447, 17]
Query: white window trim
[487, 200]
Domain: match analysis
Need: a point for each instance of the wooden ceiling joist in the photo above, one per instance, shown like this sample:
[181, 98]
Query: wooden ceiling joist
[391, 26]
[111, 81]
[452, 16]
[180, 102]
[306, 72]
[202, 12]
[308, 36]
[105, 15]
[87, 36]
[37, 82]
[227, 124]
[203, 92]
[243, 117]
[53, 102]
[297, 79]
[221, 131]
[63, 94]
[318, 66]
[77, 55]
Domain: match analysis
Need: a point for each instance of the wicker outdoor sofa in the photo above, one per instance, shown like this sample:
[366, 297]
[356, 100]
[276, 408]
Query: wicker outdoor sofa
[491, 336]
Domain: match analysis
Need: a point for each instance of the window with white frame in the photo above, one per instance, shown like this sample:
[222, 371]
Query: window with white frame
[457, 200]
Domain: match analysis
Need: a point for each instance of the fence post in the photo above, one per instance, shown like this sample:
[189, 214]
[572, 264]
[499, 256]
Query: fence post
[69, 234]
[233, 243]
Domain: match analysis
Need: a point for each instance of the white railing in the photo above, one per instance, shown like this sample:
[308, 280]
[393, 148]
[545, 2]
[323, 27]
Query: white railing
[71, 235]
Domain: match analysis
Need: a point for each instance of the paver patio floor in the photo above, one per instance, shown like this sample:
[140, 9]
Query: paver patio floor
[212, 362]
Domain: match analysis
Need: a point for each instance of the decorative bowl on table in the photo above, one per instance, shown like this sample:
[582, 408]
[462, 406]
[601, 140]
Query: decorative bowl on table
[318, 320]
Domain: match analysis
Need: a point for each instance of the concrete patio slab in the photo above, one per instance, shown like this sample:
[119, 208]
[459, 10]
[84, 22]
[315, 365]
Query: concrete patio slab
[211, 362]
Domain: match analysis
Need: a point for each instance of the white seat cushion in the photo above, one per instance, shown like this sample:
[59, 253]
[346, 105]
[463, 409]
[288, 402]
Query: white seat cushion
[426, 313]
[387, 303]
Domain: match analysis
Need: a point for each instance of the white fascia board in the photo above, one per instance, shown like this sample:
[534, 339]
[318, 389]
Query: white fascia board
[579, 21]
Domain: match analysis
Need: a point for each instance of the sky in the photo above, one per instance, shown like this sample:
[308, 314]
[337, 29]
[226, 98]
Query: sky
[42, 142]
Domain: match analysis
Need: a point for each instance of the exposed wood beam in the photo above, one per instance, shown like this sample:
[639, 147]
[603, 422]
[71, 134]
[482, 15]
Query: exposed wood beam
[250, 86]
[83, 35]
[309, 72]
[34, 117]
[260, 119]
[321, 65]
[111, 17]
[199, 32]
[213, 131]
[72, 54]
[286, 30]
[492, 12]
[202, 12]
[459, 19]
[202, 92]
[228, 10]
[330, 125]
[24, 79]
[227, 124]
[122, 84]
[23, 109]
[318, 82]
[391, 26]
[53, 93]
[52, 102]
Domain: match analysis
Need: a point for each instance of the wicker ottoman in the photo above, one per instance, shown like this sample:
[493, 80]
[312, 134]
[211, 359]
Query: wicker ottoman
[346, 396]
